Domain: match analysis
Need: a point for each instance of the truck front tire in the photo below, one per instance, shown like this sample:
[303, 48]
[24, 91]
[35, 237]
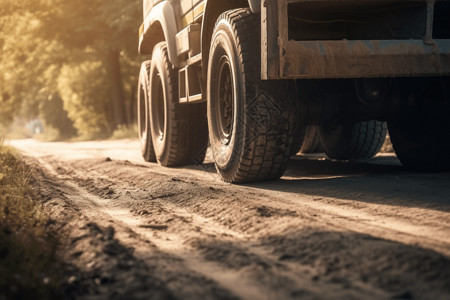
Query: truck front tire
[251, 121]
[178, 130]
[143, 114]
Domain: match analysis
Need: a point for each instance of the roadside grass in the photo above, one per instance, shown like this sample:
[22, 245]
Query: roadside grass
[28, 264]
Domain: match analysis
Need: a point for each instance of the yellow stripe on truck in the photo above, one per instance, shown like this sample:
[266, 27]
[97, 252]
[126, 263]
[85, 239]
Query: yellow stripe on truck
[193, 14]
[198, 10]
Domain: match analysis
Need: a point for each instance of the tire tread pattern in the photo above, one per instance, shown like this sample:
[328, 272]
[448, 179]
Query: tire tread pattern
[357, 141]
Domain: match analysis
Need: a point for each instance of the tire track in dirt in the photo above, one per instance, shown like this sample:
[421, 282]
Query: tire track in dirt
[98, 208]
[265, 208]
[235, 261]
[395, 224]
[186, 268]
[382, 225]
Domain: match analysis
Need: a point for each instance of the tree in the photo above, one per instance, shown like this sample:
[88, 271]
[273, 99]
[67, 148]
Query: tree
[43, 42]
[107, 28]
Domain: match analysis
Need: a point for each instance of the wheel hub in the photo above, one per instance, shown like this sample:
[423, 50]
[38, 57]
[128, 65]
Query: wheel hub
[158, 107]
[225, 101]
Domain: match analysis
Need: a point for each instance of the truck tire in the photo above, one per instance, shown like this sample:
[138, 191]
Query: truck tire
[145, 136]
[355, 141]
[299, 136]
[311, 141]
[178, 130]
[421, 135]
[251, 122]
[306, 140]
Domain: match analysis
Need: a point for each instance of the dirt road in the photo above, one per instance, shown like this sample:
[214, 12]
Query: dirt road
[326, 230]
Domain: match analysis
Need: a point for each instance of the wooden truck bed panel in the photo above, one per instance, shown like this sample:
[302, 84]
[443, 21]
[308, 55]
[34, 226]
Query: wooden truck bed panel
[400, 38]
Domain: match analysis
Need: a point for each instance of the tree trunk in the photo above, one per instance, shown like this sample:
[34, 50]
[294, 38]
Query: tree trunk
[117, 94]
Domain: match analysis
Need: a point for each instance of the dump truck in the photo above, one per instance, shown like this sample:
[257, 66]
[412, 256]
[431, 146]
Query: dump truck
[258, 80]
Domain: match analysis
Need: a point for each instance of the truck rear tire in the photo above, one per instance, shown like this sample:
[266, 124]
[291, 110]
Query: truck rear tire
[355, 141]
[311, 141]
[178, 130]
[251, 122]
[307, 140]
[421, 134]
[143, 114]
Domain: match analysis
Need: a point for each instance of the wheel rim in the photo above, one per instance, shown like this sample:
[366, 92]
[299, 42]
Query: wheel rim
[225, 97]
[158, 108]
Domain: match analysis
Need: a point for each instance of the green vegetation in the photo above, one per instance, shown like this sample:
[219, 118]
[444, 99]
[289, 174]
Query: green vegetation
[71, 63]
[27, 251]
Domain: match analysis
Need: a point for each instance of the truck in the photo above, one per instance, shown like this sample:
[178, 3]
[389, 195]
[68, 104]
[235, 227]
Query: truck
[258, 80]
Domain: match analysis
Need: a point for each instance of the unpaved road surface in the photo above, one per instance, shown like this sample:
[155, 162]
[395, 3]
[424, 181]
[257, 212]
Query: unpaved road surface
[326, 230]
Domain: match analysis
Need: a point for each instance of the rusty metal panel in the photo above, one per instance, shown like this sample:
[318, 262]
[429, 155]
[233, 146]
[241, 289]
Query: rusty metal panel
[269, 38]
[349, 59]
[284, 57]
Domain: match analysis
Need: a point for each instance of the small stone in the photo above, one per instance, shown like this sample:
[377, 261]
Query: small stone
[108, 159]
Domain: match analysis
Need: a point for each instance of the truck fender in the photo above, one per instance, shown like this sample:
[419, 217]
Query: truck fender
[158, 26]
[213, 9]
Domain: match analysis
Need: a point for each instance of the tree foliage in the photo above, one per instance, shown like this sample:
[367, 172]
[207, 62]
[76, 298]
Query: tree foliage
[79, 84]
[78, 52]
